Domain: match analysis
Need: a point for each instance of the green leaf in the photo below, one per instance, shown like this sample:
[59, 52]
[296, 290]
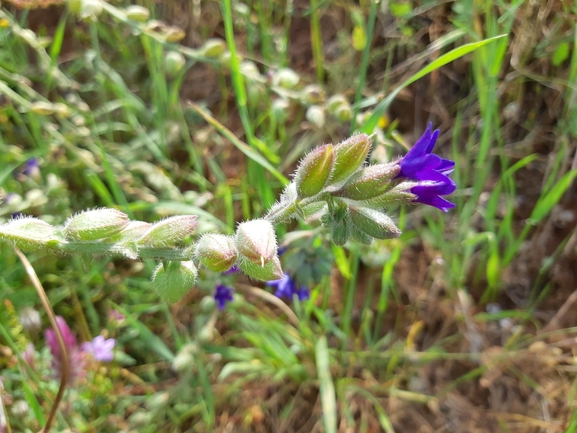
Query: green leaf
[342, 261]
[552, 197]
[327, 388]
[154, 342]
[561, 53]
[359, 38]
[369, 126]
[34, 404]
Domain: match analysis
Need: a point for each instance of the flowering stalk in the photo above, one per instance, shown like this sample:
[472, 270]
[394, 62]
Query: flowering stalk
[332, 183]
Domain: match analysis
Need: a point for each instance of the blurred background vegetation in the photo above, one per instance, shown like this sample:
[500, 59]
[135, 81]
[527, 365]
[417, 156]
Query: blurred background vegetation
[467, 323]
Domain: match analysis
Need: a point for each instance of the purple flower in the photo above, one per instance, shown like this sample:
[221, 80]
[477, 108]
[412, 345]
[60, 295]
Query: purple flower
[76, 359]
[222, 295]
[233, 270]
[8, 197]
[31, 167]
[286, 288]
[100, 348]
[429, 171]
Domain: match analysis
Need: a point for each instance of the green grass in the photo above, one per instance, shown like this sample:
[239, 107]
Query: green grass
[396, 329]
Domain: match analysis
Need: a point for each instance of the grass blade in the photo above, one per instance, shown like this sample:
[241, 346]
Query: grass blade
[327, 388]
[452, 55]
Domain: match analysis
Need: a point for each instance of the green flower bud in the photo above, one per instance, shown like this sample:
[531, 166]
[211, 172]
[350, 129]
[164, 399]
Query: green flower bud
[214, 47]
[173, 280]
[173, 62]
[157, 401]
[174, 34]
[344, 113]
[90, 9]
[75, 6]
[62, 110]
[369, 182]
[271, 270]
[249, 69]
[286, 78]
[374, 223]
[349, 155]
[41, 107]
[95, 224]
[28, 233]
[207, 304]
[133, 231]
[206, 334]
[314, 171]
[216, 252]
[256, 241]
[316, 115]
[137, 13]
[169, 232]
[313, 94]
[336, 101]
[396, 196]
[183, 361]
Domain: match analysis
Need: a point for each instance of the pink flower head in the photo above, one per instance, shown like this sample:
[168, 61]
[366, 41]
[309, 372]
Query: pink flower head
[76, 359]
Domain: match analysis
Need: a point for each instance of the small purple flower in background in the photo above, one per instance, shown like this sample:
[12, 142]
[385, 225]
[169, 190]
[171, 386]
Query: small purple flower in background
[28, 355]
[286, 288]
[100, 348]
[8, 197]
[303, 293]
[222, 295]
[31, 168]
[233, 270]
[116, 316]
[76, 359]
[430, 171]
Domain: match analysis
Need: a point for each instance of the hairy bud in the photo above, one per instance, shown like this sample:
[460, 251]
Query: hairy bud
[95, 224]
[216, 252]
[271, 270]
[174, 62]
[369, 182]
[314, 171]
[374, 223]
[285, 77]
[41, 107]
[396, 196]
[28, 233]
[313, 94]
[214, 47]
[169, 232]
[133, 231]
[256, 241]
[316, 116]
[173, 280]
[137, 13]
[349, 156]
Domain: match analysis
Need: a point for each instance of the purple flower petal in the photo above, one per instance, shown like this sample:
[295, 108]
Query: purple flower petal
[222, 295]
[233, 270]
[436, 201]
[100, 348]
[286, 288]
[430, 171]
